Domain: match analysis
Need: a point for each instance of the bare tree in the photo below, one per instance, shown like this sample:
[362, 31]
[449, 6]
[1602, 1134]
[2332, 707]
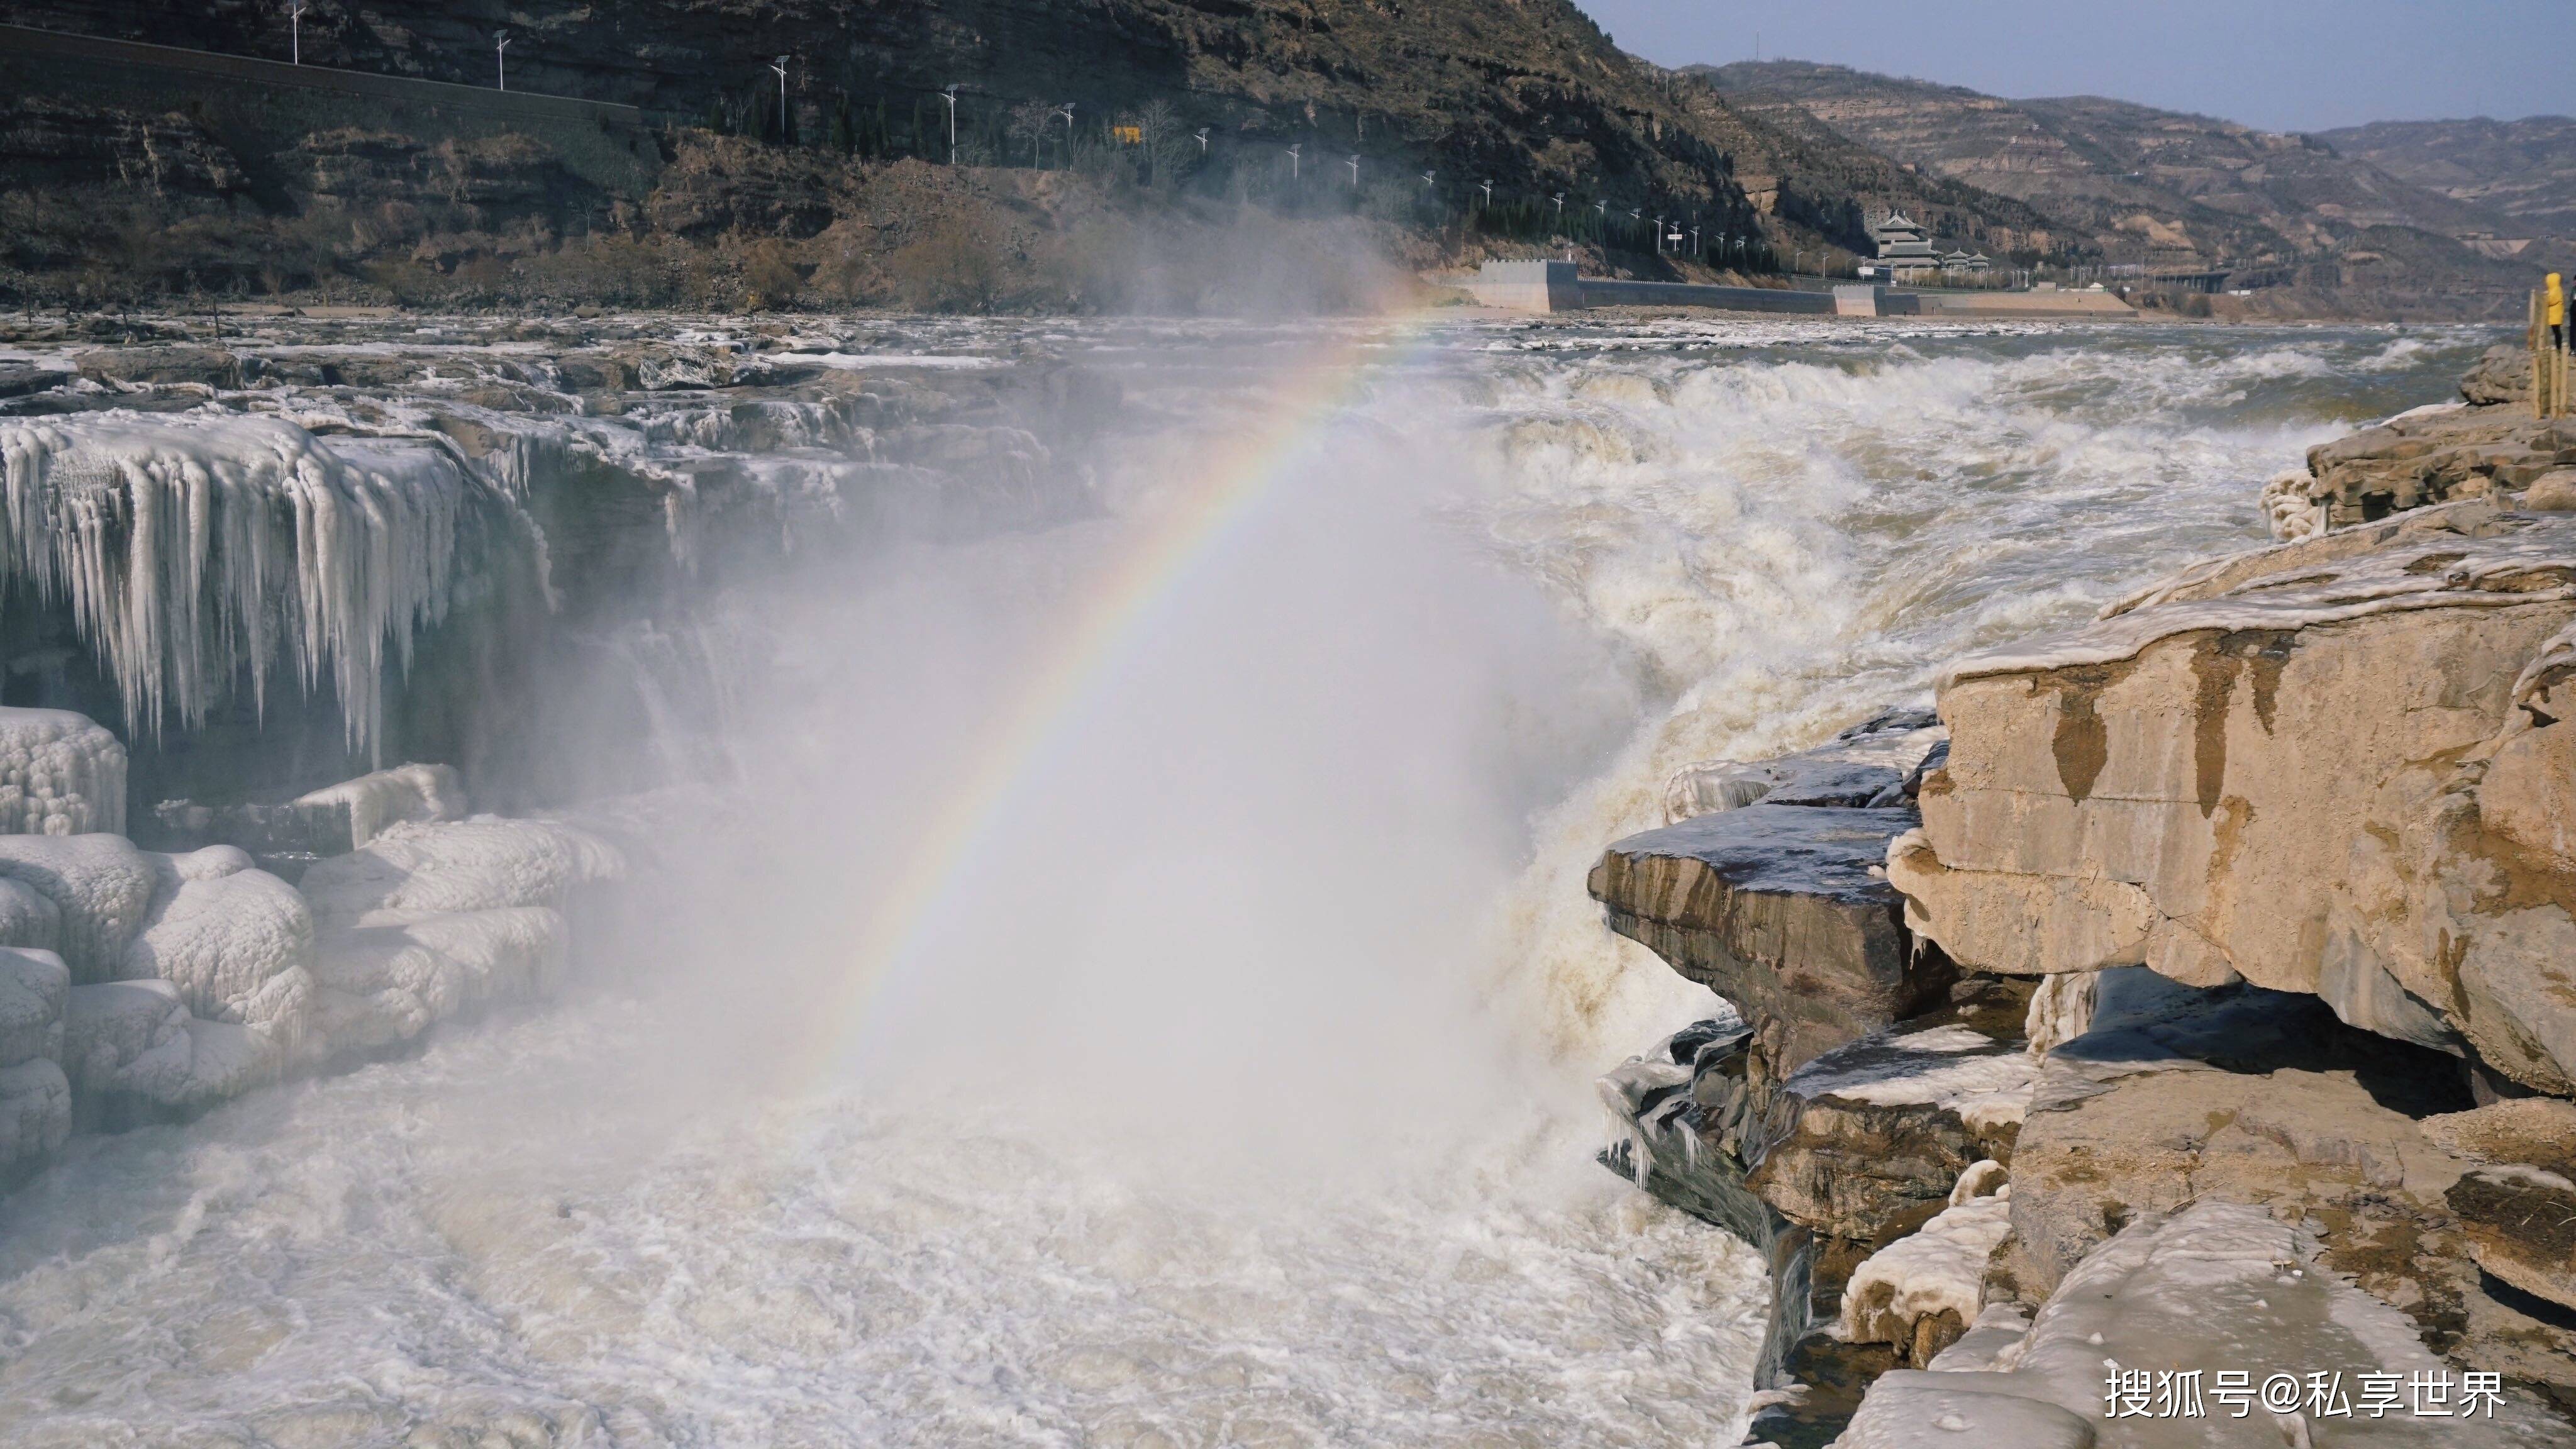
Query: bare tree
[1160, 126]
[1029, 122]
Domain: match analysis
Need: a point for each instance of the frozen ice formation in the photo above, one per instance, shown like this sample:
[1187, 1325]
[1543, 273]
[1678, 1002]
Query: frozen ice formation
[35, 1100]
[100, 887]
[60, 774]
[392, 796]
[430, 920]
[191, 548]
[233, 941]
[132, 1051]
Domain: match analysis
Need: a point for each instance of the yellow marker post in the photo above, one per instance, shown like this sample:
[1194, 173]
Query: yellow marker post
[2552, 391]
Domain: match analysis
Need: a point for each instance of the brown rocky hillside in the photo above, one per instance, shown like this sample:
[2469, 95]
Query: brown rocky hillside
[2523, 172]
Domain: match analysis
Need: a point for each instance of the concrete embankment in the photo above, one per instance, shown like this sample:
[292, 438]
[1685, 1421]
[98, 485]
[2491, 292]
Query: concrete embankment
[1552, 286]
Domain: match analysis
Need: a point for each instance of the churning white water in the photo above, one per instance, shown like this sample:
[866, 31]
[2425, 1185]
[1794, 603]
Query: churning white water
[1224, 1085]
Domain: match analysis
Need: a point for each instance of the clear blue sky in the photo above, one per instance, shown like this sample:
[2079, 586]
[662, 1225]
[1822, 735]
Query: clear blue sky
[2284, 65]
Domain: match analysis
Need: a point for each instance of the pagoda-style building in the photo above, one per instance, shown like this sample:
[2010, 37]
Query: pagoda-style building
[1904, 246]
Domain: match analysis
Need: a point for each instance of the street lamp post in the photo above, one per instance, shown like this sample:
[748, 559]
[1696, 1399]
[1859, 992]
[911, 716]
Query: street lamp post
[1297, 162]
[1560, 211]
[1354, 164]
[1659, 234]
[501, 59]
[295, 30]
[780, 65]
[1426, 179]
[1489, 195]
[950, 95]
[1202, 135]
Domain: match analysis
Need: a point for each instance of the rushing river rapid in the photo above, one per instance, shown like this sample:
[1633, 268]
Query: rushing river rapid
[1126, 980]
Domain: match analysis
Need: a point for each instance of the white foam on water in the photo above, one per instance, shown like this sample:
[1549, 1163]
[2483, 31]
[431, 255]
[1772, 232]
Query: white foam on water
[1235, 1091]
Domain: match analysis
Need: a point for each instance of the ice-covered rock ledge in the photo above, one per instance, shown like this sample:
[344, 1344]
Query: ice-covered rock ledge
[140, 985]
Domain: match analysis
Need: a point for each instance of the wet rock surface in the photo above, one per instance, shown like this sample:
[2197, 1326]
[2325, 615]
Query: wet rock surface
[1783, 910]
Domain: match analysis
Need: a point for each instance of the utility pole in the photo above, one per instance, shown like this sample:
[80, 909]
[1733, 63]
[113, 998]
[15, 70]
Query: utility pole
[780, 65]
[295, 22]
[951, 95]
[501, 58]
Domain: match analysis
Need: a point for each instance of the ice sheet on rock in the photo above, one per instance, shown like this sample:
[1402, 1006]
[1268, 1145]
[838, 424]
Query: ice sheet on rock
[192, 547]
[60, 774]
[233, 940]
[1646, 1096]
[1940, 1267]
[1996, 1332]
[1866, 765]
[404, 793]
[2061, 1010]
[1916, 1409]
[2525, 563]
[100, 887]
[1987, 1082]
[2216, 1287]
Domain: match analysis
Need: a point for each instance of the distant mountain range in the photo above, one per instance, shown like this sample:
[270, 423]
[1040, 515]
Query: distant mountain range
[2431, 212]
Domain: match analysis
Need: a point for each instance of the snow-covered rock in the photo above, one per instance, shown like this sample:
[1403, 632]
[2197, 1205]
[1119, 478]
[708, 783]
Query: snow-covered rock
[100, 887]
[1922, 1292]
[403, 793]
[60, 774]
[2218, 1287]
[235, 941]
[430, 920]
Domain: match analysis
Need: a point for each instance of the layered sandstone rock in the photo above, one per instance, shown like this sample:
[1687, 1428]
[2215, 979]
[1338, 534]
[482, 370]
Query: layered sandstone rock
[2488, 447]
[1785, 911]
[2327, 767]
[2517, 1200]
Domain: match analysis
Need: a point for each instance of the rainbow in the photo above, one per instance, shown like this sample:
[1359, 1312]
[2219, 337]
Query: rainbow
[1156, 567]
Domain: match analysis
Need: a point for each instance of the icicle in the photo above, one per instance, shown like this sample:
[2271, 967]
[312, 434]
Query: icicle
[191, 549]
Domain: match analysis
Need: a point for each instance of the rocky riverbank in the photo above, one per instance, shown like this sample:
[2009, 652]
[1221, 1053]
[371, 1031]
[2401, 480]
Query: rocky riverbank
[2195, 997]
